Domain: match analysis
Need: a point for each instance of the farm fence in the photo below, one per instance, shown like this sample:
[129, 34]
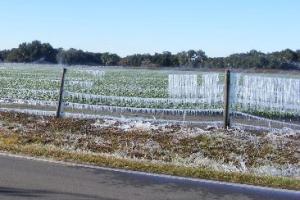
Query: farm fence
[251, 100]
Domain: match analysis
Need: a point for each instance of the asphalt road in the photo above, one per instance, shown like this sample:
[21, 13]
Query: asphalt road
[29, 179]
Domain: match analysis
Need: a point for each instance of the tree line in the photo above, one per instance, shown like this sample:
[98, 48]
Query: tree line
[37, 52]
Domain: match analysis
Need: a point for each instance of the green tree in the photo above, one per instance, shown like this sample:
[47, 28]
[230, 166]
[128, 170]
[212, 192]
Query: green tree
[32, 52]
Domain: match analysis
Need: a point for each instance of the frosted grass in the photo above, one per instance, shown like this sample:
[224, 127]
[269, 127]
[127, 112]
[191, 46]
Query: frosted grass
[152, 91]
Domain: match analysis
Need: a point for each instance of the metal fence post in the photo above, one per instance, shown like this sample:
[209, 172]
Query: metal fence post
[227, 99]
[61, 94]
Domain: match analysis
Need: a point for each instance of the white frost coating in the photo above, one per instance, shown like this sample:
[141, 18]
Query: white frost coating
[84, 81]
[20, 90]
[29, 102]
[192, 90]
[105, 117]
[87, 84]
[287, 170]
[210, 89]
[95, 72]
[240, 126]
[31, 79]
[249, 116]
[136, 100]
[152, 111]
[29, 111]
[186, 86]
[182, 86]
[258, 92]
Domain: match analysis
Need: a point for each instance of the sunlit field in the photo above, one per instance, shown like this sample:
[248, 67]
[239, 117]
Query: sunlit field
[178, 95]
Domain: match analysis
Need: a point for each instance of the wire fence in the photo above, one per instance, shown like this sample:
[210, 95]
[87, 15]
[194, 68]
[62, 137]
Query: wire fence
[255, 101]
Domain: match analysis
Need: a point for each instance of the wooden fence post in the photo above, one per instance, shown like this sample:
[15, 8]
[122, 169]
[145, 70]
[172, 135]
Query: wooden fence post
[61, 94]
[227, 99]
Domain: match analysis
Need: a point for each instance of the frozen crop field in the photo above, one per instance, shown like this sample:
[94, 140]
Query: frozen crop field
[257, 100]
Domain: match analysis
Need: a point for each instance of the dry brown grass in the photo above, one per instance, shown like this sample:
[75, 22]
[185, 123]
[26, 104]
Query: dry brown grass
[61, 139]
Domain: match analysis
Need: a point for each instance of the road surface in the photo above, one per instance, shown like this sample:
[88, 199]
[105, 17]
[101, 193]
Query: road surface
[21, 178]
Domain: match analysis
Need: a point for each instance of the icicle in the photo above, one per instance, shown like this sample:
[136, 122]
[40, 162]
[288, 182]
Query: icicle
[265, 93]
[182, 86]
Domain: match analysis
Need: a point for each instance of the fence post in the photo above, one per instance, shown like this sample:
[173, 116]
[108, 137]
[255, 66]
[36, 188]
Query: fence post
[61, 94]
[227, 99]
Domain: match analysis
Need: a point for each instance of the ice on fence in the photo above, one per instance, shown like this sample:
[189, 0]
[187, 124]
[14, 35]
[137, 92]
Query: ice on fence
[86, 84]
[182, 86]
[150, 92]
[259, 92]
[29, 102]
[153, 111]
[210, 91]
[133, 100]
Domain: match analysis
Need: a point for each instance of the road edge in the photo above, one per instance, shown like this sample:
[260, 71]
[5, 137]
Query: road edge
[165, 176]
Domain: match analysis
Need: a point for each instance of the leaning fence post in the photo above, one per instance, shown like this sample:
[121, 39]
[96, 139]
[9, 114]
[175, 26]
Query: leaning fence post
[61, 94]
[227, 99]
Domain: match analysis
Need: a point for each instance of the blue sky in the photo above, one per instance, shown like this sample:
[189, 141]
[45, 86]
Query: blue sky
[219, 27]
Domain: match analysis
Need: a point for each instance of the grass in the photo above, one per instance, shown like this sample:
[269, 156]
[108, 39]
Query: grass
[163, 149]
[11, 143]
